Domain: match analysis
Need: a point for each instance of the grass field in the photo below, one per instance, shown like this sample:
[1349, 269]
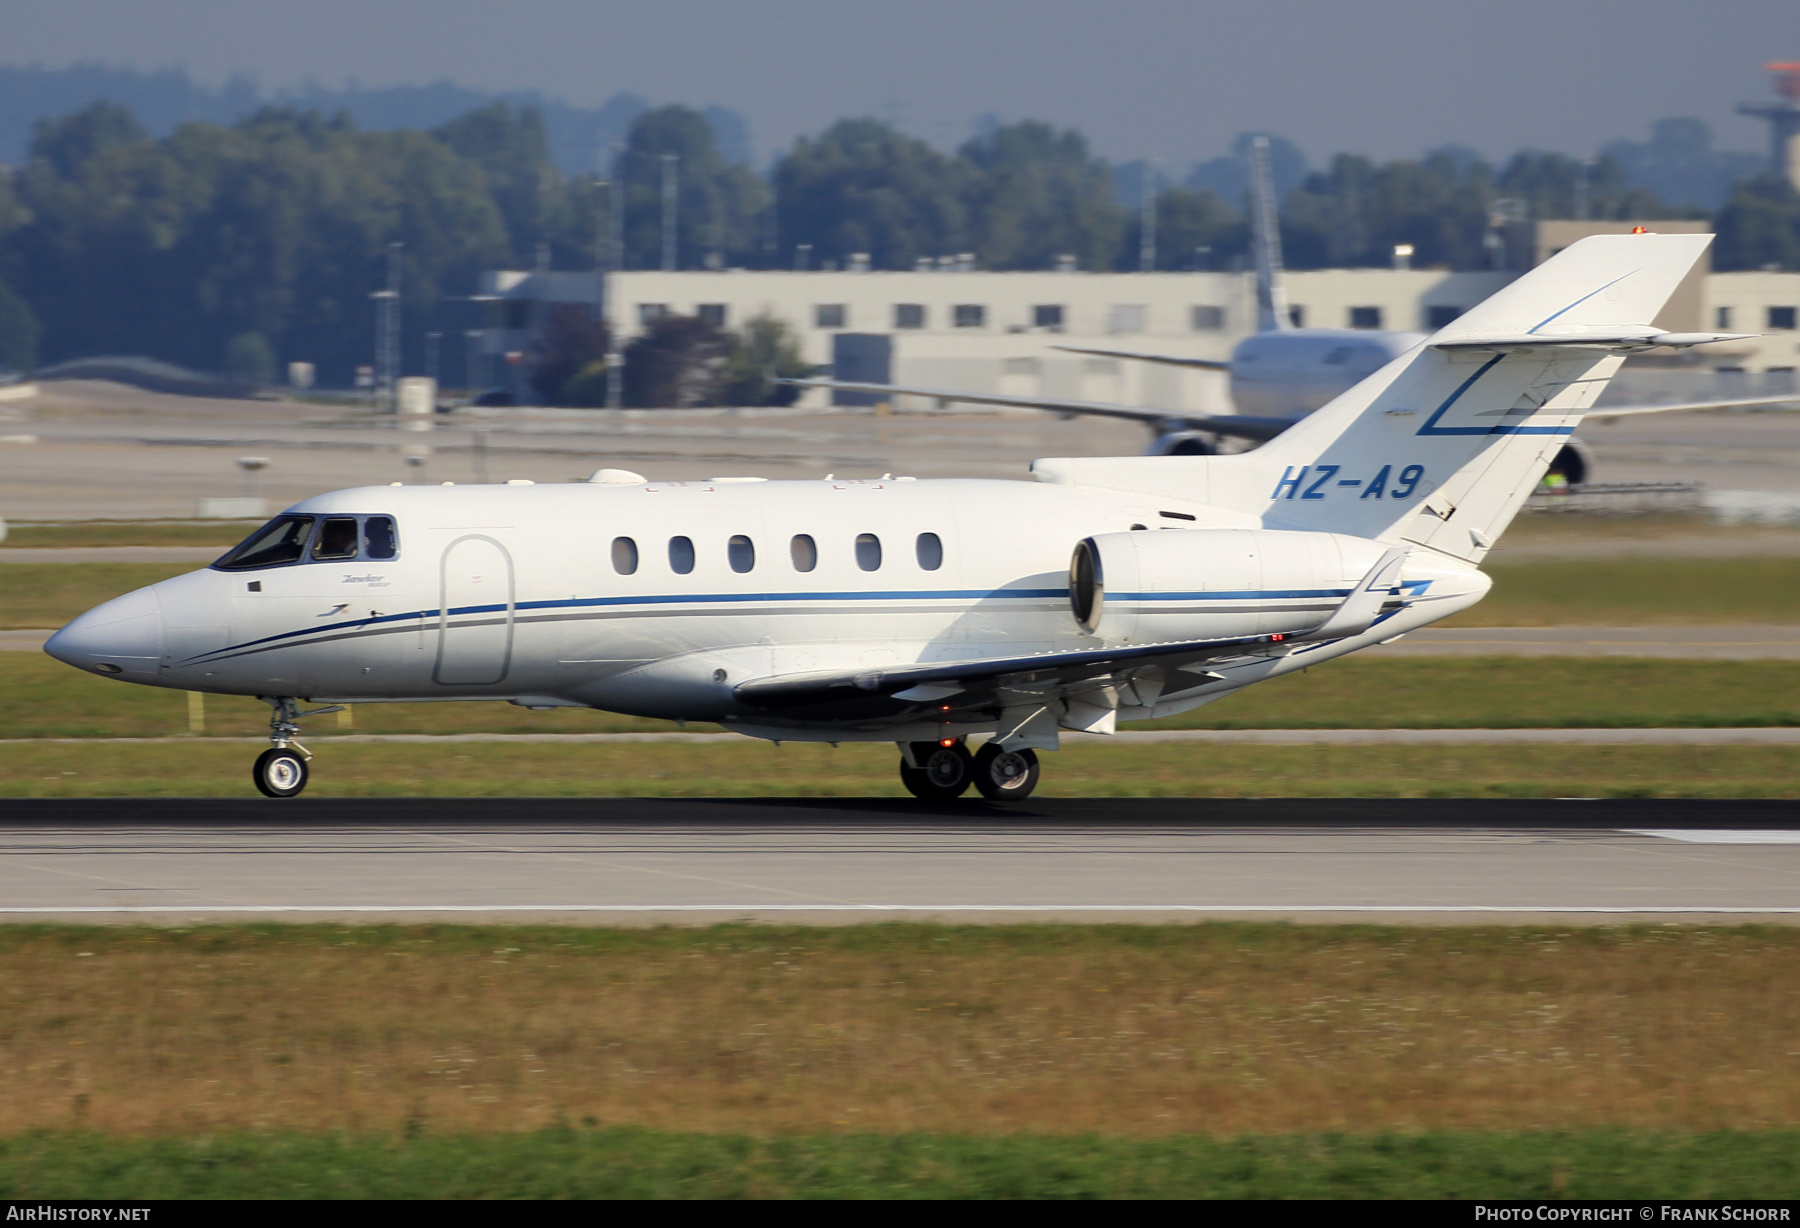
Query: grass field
[1616, 592]
[1638, 591]
[209, 533]
[628, 1162]
[757, 769]
[40, 697]
[50, 594]
[1125, 1031]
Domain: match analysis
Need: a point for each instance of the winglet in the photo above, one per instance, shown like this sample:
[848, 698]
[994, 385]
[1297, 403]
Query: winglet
[1363, 606]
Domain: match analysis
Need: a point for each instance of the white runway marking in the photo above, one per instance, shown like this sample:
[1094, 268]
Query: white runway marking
[1688, 836]
[1623, 910]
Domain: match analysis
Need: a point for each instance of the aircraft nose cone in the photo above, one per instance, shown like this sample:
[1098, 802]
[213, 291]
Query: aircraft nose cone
[121, 639]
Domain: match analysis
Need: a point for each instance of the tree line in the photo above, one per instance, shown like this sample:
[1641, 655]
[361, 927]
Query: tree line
[238, 245]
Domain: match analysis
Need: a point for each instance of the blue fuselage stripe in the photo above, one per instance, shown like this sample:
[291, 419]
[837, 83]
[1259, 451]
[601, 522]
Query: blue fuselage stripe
[969, 594]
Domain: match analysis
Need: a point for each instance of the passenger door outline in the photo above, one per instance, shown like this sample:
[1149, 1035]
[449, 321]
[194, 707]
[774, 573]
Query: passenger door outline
[477, 666]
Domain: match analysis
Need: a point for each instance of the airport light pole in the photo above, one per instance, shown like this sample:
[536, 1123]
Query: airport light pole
[387, 332]
[613, 264]
[1147, 226]
[669, 202]
[472, 339]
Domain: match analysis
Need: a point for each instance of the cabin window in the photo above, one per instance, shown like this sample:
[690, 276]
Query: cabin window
[624, 555]
[868, 552]
[282, 540]
[804, 551]
[379, 539]
[1126, 318]
[930, 550]
[337, 538]
[681, 555]
[741, 551]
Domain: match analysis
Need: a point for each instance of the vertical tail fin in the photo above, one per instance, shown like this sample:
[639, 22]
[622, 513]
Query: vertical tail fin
[1442, 446]
[1271, 295]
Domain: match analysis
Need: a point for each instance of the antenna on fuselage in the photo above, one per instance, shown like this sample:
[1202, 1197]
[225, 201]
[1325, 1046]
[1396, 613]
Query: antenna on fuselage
[1271, 295]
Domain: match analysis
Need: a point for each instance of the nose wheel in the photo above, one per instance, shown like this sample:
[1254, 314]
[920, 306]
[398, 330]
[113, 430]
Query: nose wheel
[281, 770]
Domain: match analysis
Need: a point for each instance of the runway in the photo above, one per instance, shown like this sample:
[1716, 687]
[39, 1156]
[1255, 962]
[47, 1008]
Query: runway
[835, 861]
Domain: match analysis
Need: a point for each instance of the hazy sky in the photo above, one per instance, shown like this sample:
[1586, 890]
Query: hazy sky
[1156, 78]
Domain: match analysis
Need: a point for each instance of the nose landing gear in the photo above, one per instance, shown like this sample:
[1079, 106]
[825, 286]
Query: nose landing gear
[281, 770]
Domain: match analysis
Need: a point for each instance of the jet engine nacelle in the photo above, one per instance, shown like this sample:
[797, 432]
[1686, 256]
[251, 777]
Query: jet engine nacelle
[1164, 585]
[1182, 443]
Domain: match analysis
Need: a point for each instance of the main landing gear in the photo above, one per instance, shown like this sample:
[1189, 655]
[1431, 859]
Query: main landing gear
[281, 770]
[940, 772]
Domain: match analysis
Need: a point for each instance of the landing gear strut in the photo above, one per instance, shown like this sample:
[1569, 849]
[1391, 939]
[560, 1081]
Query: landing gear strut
[281, 770]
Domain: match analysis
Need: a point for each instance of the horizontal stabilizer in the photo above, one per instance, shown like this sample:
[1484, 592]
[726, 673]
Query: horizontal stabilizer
[1625, 337]
[1676, 407]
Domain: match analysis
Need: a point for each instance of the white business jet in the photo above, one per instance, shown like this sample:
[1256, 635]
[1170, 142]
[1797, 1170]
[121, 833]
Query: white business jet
[927, 613]
[1277, 375]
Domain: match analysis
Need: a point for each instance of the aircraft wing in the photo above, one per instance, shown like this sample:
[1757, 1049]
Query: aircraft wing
[908, 692]
[1242, 426]
[1204, 364]
[933, 689]
[1626, 411]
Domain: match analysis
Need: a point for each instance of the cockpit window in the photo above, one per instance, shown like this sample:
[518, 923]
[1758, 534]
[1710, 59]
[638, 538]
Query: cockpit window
[379, 540]
[337, 538]
[282, 540]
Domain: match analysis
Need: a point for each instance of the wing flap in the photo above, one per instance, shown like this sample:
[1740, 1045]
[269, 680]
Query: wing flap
[972, 683]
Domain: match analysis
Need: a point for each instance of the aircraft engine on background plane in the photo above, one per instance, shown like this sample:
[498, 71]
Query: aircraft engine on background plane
[1572, 466]
[1183, 443]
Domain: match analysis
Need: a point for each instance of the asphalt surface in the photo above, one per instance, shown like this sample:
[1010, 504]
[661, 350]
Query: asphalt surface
[87, 449]
[692, 862]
